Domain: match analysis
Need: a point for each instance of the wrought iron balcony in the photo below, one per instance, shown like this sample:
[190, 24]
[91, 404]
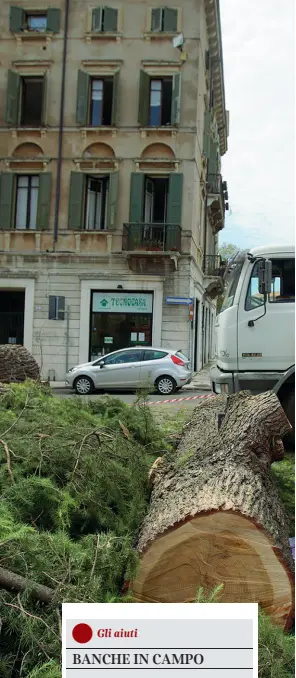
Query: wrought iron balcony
[213, 266]
[156, 237]
[217, 200]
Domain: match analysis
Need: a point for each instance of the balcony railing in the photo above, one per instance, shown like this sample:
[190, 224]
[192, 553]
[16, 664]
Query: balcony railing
[214, 184]
[213, 265]
[156, 237]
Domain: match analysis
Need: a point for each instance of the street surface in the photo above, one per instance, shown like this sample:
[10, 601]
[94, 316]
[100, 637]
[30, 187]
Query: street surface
[130, 398]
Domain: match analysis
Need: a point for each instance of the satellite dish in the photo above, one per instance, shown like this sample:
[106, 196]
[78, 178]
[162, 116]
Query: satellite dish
[178, 41]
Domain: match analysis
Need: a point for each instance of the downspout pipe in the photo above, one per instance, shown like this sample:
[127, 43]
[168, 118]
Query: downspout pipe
[61, 126]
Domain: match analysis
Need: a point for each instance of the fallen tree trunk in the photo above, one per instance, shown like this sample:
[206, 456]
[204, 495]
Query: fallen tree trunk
[10, 581]
[215, 515]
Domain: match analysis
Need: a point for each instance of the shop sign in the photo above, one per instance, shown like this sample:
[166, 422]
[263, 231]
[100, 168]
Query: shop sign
[115, 302]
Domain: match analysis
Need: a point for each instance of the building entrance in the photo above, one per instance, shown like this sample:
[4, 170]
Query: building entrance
[12, 315]
[119, 320]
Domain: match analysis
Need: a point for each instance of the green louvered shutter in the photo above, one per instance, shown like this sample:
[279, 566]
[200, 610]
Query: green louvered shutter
[115, 96]
[43, 207]
[53, 20]
[112, 200]
[16, 19]
[207, 134]
[76, 200]
[176, 99]
[144, 93]
[44, 101]
[110, 20]
[174, 210]
[12, 98]
[82, 98]
[97, 16]
[213, 159]
[156, 19]
[7, 184]
[137, 197]
[170, 20]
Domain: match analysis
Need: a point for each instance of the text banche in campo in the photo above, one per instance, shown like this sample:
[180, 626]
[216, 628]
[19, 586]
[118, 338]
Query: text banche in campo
[136, 658]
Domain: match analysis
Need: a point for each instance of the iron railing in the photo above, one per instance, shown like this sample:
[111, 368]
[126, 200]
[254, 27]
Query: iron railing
[213, 265]
[156, 237]
[214, 184]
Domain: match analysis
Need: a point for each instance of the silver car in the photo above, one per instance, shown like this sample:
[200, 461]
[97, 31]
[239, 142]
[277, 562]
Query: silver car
[131, 368]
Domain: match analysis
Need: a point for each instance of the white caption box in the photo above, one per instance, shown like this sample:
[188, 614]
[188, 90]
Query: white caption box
[214, 640]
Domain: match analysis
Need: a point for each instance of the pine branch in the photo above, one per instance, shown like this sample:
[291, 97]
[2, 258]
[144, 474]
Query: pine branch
[10, 581]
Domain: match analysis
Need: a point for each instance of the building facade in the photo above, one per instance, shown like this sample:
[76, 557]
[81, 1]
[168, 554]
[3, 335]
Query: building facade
[112, 128]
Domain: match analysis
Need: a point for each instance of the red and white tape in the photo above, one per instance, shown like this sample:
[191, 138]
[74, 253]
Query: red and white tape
[179, 400]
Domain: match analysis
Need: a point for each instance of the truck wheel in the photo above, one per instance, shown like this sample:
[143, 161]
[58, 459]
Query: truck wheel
[288, 405]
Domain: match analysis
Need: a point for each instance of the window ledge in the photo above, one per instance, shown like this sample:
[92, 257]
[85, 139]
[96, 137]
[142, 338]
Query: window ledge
[96, 163]
[103, 35]
[19, 131]
[159, 35]
[45, 36]
[149, 131]
[89, 129]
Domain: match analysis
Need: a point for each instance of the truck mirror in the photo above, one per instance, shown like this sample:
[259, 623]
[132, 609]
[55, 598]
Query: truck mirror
[264, 276]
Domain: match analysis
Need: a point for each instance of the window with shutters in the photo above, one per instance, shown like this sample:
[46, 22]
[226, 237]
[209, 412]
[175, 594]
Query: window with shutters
[27, 189]
[27, 21]
[164, 20]
[97, 99]
[96, 203]
[32, 92]
[104, 20]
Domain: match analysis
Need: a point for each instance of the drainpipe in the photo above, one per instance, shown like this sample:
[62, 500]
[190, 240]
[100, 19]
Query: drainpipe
[61, 125]
[67, 337]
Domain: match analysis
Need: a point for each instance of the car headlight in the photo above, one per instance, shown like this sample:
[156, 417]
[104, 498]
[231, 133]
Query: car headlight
[73, 369]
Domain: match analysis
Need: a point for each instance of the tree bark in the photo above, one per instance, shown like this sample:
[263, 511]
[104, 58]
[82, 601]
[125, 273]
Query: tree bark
[215, 515]
[10, 581]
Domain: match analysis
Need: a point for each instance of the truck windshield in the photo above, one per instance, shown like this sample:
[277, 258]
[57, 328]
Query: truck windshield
[231, 278]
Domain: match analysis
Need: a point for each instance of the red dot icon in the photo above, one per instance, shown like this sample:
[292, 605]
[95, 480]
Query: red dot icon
[82, 633]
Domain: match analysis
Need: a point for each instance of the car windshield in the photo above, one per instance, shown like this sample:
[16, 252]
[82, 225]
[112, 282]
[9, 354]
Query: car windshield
[231, 278]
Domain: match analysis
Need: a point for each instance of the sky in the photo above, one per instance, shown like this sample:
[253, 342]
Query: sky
[259, 71]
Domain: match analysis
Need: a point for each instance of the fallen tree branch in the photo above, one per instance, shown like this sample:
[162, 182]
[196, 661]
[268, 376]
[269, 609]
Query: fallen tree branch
[10, 581]
[8, 460]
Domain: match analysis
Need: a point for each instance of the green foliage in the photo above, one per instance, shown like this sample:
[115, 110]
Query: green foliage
[227, 251]
[284, 476]
[74, 490]
[276, 649]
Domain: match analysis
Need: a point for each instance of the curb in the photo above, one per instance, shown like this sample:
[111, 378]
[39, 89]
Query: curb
[197, 387]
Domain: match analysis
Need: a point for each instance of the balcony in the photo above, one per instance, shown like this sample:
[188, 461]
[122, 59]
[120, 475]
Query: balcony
[217, 200]
[152, 248]
[213, 269]
[213, 266]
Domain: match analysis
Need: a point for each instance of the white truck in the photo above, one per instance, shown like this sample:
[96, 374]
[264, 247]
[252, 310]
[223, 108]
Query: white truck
[256, 325]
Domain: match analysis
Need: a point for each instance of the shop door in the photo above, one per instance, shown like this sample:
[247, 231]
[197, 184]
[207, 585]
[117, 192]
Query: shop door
[12, 306]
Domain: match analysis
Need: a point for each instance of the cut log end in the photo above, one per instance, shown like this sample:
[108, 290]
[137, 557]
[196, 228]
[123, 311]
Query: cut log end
[218, 547]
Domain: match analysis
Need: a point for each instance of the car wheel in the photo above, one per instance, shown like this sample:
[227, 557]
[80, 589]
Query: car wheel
[165, 385]
[83, 385]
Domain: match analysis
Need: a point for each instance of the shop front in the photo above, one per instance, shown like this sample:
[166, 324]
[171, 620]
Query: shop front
[119, 320]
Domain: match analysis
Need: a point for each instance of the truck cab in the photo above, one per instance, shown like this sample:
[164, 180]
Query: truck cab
[255, 329]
